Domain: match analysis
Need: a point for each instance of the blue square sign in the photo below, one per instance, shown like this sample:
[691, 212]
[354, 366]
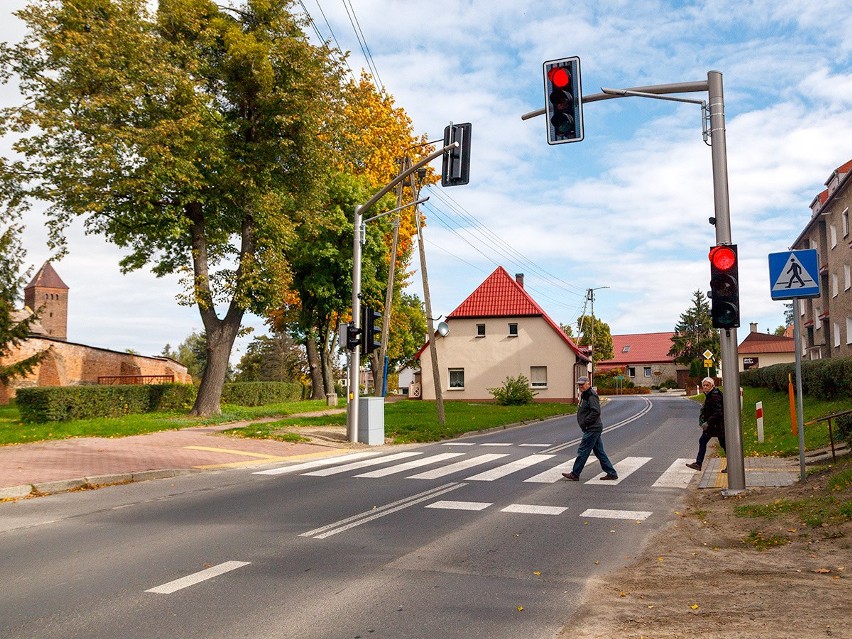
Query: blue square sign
[794, 274]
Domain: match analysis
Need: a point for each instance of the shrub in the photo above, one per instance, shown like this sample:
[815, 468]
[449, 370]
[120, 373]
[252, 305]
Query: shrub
[844, 428]
[826, 379]
[515, 392]
[260, 393]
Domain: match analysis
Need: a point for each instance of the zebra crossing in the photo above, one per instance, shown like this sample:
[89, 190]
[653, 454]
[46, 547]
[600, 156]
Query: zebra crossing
[532, 468]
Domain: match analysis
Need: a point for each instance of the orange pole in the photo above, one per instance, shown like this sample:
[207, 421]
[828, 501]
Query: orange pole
[792, 395]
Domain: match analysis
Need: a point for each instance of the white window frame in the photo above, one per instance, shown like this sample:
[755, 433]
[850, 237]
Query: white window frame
[844, 221]
[513, 329]
[836, 334]
[848, 330]
[538, 376]
[646, 371]
[847, 277]
[631, 371]
[450, 378]
[834, 284]
[832, 231]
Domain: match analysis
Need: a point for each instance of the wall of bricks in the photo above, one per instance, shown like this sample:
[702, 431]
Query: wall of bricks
[69, 364]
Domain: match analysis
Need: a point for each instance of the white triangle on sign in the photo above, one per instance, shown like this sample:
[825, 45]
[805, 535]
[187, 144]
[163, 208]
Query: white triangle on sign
[793, 276]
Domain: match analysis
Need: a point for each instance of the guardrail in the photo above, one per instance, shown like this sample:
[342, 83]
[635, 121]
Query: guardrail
[828, 418]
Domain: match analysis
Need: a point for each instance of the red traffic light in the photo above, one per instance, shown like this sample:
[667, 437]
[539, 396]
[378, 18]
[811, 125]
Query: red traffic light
[559, 76]
[723, 257]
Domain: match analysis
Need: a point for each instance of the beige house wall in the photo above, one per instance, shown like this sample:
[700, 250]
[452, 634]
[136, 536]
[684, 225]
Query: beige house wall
[487, 361]
[767, 359]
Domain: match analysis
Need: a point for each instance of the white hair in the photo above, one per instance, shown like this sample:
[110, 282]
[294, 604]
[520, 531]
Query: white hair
[711, 381]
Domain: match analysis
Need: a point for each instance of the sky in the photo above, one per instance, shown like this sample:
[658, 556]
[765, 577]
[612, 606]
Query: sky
[624, 212]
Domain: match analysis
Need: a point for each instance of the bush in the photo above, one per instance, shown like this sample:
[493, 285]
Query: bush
[844, 428]
[826, 379]
[261, 393]
[515, 392]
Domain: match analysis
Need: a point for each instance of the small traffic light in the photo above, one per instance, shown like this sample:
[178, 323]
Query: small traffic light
[455, 169]
[370, 333]
[563, 100]
[724, 286]
[353, 337]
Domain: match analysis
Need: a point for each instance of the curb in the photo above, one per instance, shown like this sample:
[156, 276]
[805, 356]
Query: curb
[88, 483]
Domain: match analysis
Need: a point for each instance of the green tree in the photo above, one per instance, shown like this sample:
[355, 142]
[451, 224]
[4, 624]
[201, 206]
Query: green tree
[271, 358]
[602, 347]
[188, 137]
[192, 353]
[14, 326]
[694, 334]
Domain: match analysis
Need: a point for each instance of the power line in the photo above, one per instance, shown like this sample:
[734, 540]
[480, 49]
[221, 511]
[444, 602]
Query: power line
[331, 31]
[362, 42]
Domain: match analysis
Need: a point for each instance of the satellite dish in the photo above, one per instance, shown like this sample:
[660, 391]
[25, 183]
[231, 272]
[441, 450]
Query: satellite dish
[443, 329]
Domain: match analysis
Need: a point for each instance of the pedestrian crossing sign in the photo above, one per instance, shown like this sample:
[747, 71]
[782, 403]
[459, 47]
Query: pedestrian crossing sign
[794, 274]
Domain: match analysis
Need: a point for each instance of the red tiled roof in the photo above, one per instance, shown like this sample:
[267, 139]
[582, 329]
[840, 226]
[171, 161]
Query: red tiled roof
[641, 348]
[501, 296]
[764, 343]
[46, 277]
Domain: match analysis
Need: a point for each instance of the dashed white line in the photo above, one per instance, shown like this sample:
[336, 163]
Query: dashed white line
[460, 505]
[676, 476]
[598, 513]
[203, 575]
[531, 509]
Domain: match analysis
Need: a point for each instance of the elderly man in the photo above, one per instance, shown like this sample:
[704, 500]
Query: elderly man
[711, 419]
[589, 419]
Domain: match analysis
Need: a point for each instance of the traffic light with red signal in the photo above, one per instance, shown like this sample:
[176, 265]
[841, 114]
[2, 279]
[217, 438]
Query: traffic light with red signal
[563, 100]
[724, 286]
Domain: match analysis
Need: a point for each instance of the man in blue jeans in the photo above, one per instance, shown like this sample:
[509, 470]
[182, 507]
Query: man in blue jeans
[589, 419]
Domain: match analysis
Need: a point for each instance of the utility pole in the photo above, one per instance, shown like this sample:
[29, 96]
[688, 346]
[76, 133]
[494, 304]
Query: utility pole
[427, 300]
[591, 297]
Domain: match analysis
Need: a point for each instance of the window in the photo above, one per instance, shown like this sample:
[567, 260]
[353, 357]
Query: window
[834, 284]
[457, 378]
[538, 376]
[847, 277]
[832, 230]
[480, 330]
[631, 371]
[835, 334]
[626, 349]
[646, 371]
[849, 330]
[513, 330]
[844, 220]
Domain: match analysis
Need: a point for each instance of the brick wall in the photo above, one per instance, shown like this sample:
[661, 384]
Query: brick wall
[69, 364]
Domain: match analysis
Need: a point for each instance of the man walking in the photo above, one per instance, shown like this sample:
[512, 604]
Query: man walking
[589, 419]
[712, 420]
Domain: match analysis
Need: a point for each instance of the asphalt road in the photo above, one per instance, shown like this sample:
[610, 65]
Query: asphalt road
[478, 537]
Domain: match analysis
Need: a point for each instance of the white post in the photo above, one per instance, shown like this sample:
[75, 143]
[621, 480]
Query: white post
[759, 412]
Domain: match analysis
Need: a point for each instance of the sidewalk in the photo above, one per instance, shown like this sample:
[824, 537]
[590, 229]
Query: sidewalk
[85, 462]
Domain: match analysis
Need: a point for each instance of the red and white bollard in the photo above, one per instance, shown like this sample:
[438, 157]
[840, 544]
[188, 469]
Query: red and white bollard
[759, 415]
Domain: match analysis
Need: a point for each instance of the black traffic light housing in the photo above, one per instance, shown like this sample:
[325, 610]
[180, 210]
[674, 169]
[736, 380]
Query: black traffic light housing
[370, 332]
[563, 101]
[724, 286]
[455, 169]
[353, 337]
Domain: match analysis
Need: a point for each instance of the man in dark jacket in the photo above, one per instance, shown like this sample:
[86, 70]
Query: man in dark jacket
[589, 419]
[712, 420]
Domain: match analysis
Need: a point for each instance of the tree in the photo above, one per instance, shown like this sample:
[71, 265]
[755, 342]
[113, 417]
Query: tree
[602, 346]
[14, 327]
[188, 137]
[192, 353]
[694, 332]
[271, 358]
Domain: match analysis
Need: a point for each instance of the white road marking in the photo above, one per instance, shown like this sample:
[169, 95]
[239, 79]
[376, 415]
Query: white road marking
[417, 463]
[507, 469]
[676, 476]
[496, 444]
[624, 468]
[458, 466]
[458, 444]
[191, 580]
[460, 505]
[360, 464]
[555, 474]
[638, 515]
[314, 464]
[530, 509]
[374, 513]
[535, 445]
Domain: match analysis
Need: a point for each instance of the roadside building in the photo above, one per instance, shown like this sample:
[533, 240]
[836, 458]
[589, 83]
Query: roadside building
[826, 321]
[759, 350]
[644, 359]
[500, 331]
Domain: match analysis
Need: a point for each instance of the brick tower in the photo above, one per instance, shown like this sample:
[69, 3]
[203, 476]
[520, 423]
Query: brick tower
[49, 293]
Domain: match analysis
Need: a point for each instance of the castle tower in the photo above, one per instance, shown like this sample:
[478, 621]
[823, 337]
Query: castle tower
[49, 293]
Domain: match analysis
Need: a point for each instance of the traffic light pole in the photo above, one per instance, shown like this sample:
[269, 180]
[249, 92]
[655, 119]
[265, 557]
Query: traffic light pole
[727, 337]
[357, 240]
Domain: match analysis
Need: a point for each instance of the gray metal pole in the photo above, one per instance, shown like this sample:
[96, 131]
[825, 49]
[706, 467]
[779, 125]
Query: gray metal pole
[355, 354]
[800, 418]
[727, 337]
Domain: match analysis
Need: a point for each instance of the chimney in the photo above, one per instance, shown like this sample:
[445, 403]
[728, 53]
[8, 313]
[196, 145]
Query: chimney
[519, 278]
[753, 327]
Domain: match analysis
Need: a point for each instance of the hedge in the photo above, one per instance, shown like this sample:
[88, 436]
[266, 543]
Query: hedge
[826, 379]
[65, 403]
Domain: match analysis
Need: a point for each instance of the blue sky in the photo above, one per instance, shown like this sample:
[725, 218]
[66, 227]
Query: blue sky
[626, 209]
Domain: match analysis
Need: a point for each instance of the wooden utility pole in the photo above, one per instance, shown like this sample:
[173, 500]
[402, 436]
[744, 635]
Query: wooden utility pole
[430, 329]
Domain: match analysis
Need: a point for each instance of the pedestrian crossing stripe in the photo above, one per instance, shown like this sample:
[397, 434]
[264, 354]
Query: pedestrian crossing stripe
[599, 513]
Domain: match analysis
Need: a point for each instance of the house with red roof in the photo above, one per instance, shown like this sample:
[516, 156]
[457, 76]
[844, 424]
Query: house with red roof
[762, 349]
[644, 358]
[499, 331]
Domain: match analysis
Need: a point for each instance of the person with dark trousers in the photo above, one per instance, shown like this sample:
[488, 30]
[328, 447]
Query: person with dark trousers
[589, 419]
[712, 420]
